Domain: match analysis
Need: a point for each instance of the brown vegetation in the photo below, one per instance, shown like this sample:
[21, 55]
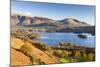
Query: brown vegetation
[18, 58]
[36, 55]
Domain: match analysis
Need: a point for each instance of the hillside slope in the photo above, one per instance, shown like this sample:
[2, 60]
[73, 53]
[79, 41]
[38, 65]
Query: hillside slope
[45, 58]
[18, 58]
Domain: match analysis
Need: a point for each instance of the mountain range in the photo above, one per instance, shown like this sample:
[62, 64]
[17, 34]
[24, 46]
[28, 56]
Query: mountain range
[64, 25]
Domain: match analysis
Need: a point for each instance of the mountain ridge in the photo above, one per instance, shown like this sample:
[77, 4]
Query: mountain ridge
[51, 25]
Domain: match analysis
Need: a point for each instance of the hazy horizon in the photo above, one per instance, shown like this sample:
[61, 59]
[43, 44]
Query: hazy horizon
[55, 11]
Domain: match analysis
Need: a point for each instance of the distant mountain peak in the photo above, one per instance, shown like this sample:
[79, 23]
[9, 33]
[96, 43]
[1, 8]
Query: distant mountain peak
[69, 20]
[72, 22]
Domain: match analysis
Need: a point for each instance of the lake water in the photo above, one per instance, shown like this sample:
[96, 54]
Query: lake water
[55, 38]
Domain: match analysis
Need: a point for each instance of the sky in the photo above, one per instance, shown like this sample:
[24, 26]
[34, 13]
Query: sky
[55, 11]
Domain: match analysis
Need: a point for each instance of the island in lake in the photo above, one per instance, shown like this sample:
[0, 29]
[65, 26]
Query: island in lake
[38, 40]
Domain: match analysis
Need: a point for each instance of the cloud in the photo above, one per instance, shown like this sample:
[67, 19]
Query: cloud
[22, 13]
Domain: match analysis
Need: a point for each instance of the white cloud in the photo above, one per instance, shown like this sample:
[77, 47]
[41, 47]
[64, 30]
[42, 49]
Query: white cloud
[22, 13]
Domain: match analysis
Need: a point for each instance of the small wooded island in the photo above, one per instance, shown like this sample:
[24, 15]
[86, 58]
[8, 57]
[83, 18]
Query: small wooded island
[82, 36]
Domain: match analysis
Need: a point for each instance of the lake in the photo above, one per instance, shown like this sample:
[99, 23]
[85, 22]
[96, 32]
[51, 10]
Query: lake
[55, 38]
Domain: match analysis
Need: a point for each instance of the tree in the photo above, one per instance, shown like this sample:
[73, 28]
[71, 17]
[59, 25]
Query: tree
[91, 57]
[77, 54]
[65, 53]
[26, 49]
[58, 53]
[49, 49]
[43, 46]
[84, 56]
